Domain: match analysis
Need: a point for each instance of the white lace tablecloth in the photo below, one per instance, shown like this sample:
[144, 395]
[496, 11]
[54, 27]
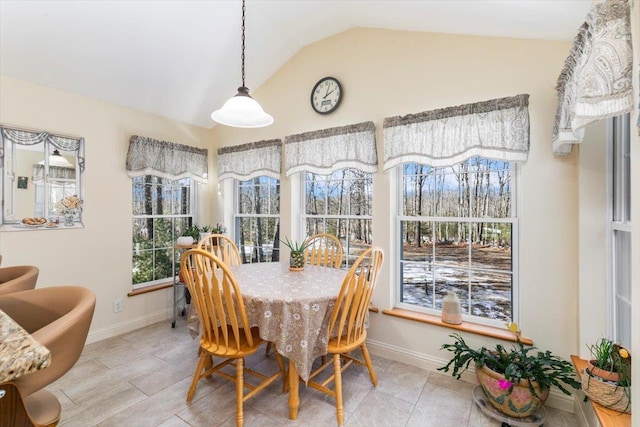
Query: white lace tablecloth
[291, 309]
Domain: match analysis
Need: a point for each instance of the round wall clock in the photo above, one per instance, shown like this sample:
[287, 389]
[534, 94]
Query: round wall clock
[326, 95]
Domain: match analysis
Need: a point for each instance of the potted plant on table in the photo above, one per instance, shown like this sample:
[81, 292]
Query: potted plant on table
[296, 257]
[190, 235]
[607, 378]
[516, 381]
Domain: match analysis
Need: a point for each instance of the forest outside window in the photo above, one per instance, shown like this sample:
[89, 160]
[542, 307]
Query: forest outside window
[257, 219]
[458, 229]
[162, 209]
[340, 204]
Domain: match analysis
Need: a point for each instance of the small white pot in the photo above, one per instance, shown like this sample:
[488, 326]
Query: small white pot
[185, 240]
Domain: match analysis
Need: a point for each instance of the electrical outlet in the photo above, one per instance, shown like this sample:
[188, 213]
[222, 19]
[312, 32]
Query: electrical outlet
[117, 305]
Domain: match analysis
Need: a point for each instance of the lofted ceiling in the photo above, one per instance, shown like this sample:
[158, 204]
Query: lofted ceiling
[181, 59]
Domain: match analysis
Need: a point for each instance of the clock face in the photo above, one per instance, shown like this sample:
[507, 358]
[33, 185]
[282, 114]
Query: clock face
[326, 95]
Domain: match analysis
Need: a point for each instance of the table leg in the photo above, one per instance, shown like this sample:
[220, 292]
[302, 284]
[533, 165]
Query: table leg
[294, 398]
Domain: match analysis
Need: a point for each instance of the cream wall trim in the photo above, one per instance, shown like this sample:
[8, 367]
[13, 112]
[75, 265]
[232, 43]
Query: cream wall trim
[557, 399]
[130, 325]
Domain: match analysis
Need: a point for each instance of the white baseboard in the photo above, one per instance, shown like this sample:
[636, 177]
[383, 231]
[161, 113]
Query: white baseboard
[557, 399]
[129, 325]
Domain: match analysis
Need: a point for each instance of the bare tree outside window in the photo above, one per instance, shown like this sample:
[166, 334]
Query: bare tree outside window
[340, 204]
[162, 209]
[457, 225]
[257, 219]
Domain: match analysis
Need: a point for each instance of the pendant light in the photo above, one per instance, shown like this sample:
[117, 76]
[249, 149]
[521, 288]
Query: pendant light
[242, 110]
[56, 159]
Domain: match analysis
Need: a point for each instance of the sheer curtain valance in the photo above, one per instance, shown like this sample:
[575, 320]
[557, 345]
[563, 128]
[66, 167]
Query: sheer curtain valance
[247, 161]
[28, 137]
[148, 156]
[497, 129]
[327, 150]
[595, 82]
[55, 172]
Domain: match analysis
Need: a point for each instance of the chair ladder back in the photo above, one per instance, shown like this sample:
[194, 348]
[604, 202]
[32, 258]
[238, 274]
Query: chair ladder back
[222, 247]
[324, 250]
[348, 319]
[221, 310]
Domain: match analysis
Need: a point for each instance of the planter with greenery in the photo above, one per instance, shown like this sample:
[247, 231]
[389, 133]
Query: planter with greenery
[193, 232]
[516, 381]
[607, 377]
[296, 257]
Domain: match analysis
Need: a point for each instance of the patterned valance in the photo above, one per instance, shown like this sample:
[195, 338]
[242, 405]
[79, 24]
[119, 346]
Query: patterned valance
[325, 151]
[595, 82]
[148, 156]
[247, 161]
[497, 129]
[55, 172]
[32, 137]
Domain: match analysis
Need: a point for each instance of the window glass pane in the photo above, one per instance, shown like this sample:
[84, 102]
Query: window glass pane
[257, 225]
[623, 322]
[340, 204]
[418, 188]
[491, 295]
[246, 197]
[141, 234]
[142, 266]
[491, 248]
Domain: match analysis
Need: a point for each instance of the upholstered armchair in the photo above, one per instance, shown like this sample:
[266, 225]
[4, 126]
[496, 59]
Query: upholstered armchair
[58, 318]
[18, 278]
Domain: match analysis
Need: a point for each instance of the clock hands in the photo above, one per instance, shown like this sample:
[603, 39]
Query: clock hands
[328, 93]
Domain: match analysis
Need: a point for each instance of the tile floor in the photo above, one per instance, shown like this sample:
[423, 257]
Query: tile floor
[141, 379]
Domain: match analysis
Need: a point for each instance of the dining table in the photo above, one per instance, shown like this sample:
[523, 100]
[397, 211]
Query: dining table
[20, 353]
[291, 309]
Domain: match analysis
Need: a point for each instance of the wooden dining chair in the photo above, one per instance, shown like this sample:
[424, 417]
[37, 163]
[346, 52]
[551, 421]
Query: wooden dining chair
[226, 332]
[324, 250]
[347, 325]
[222, 247]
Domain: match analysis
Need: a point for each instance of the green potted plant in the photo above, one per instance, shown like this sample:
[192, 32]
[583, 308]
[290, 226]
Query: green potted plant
[607, 377]
[192, 232]
[296, 257]
[516, 381]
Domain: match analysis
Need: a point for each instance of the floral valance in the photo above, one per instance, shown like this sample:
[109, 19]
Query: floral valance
[247, 161]
[148, 156]
[325, 151]
[595, 82]
[497, 129]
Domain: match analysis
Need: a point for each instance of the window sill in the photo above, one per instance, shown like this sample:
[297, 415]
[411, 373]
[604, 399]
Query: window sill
[148, 289]
[606, 417]
[474, 328]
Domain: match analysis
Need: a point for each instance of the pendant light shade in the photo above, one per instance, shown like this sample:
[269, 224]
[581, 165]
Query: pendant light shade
[242, 111]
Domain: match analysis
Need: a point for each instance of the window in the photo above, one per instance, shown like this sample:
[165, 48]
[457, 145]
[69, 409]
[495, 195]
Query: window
[457, 227]
[257, 219]
[340, 204]
[620, 228]
[162, 209]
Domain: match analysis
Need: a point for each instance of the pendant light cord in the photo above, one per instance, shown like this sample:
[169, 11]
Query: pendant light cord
[242, 56]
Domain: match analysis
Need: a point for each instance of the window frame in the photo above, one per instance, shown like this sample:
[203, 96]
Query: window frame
[618, 201]
[347, 257]
[398, 217]
[237, 216]
[174, 262]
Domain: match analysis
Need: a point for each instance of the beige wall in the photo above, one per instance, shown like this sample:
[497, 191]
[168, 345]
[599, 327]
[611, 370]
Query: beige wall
[99, 255]
[386, 73]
